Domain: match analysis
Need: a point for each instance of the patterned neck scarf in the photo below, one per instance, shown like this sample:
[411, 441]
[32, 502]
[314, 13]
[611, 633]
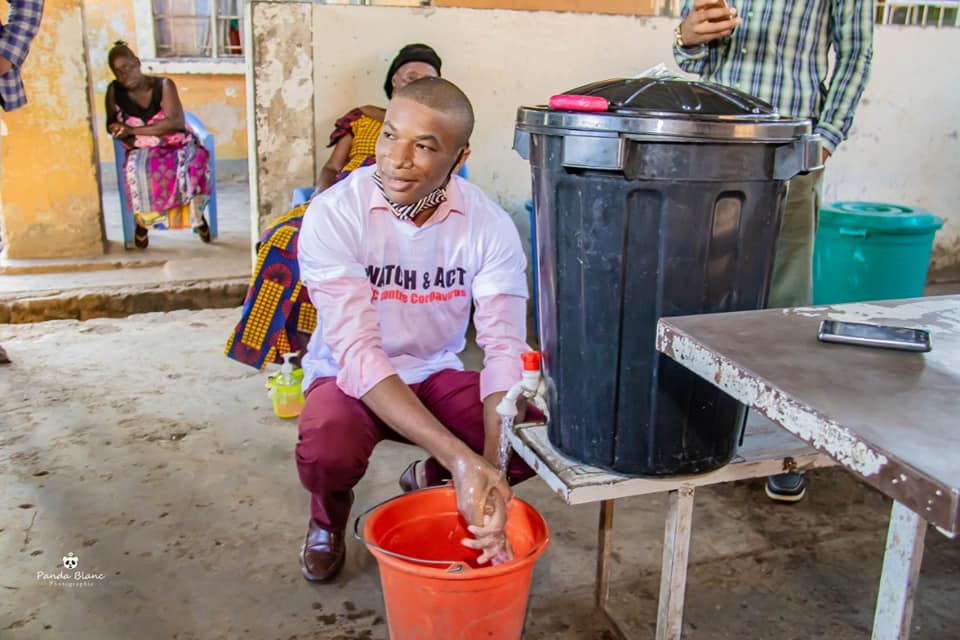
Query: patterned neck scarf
[410, 211]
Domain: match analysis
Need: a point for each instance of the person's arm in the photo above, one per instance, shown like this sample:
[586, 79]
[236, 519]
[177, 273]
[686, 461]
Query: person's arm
[352, 332]
[499, 317]
[341, 139]
[499, 296]
[173, 120]
[475, 480]
[704, 23]
[501, 325]
[337, 161]
[21, 28]
[852, 39]
[373, 111]
[340, 290]
[110, 106]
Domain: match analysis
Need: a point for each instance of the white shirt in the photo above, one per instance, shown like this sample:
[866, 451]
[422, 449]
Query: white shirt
[394, 297]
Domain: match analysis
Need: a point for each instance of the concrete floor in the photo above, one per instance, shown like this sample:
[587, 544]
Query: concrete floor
[135, 445]
[172, 257]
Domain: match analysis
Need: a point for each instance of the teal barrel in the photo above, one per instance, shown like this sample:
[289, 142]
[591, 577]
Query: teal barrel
[871, 251]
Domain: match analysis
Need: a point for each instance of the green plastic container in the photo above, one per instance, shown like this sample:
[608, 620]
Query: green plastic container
[871, 251]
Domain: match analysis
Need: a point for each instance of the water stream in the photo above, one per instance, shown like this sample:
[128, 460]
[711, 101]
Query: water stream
[503, 459]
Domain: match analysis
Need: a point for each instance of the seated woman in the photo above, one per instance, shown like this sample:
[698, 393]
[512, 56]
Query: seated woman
[166, 172]
[277, 316]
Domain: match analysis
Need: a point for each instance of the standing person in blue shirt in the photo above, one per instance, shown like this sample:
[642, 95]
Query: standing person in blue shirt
[780, 51]
[15, 37]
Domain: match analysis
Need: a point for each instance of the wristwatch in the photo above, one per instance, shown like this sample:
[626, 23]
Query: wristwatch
[678, 37]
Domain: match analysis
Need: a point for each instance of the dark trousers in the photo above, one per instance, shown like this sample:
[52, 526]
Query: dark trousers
[338, 434]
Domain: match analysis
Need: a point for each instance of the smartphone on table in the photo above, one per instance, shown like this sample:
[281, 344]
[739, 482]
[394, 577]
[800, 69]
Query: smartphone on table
[875, 335]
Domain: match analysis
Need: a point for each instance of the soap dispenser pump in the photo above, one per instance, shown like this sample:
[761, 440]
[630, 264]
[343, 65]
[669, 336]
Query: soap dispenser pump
[286, 390]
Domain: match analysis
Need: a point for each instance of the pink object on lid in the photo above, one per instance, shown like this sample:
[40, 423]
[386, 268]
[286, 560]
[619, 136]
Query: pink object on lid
[573, 102]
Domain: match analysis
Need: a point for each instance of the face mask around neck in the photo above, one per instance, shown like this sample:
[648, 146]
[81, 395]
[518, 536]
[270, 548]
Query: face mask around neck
[410, 211]
[433, 199]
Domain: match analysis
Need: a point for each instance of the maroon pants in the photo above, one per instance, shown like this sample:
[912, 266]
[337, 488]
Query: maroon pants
[338, 434]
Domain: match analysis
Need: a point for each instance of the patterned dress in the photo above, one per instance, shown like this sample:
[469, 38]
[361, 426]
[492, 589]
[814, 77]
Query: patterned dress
[163, 175]
[277, 316]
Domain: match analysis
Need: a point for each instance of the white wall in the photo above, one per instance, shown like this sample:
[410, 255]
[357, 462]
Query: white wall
[904, 147]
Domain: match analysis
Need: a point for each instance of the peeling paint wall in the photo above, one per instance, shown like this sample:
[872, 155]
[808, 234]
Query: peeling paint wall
[904, 147]
[477, 48]
[51, 197]
[220, 103]
[283, 78]
[481, 52]
[218, 100]
[106, 22]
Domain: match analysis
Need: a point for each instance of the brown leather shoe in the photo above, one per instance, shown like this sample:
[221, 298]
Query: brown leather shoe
[323, 553]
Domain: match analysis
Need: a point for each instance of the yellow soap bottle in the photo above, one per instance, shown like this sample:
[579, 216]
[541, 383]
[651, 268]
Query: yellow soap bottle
[285, 389]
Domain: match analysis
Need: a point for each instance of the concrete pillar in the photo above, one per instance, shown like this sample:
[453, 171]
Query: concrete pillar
[281, 115]
[51, 197]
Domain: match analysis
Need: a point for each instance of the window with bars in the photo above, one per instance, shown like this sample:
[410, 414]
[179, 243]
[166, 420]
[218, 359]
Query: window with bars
[931, 13]
[629, 7]
[935, 13]
[198, 28]
[945, 13]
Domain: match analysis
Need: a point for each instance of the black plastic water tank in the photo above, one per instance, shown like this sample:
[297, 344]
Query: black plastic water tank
[667, 203]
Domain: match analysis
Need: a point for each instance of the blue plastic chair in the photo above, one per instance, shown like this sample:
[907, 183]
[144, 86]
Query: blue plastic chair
[206, 139]
[528, 205]
[303, 194]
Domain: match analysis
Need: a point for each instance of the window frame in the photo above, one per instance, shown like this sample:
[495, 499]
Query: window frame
[918, 9]
[147, 51]
[641, 8]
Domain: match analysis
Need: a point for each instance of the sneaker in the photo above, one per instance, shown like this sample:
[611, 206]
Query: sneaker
[786, 487]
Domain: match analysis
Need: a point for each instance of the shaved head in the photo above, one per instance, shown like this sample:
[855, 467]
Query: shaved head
[443, 96]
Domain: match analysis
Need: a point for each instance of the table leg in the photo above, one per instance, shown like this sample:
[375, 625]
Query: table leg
[604, 539]
[604, 545]
[673, 570]
[901, 570]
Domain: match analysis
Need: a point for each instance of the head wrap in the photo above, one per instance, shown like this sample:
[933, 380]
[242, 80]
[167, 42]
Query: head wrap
[411, 53]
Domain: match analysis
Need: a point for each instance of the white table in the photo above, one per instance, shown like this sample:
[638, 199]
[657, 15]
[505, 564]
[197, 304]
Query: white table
[890, 417]
[766, 450]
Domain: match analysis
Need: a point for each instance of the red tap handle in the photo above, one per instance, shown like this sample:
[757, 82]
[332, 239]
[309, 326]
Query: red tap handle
[531, 360]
